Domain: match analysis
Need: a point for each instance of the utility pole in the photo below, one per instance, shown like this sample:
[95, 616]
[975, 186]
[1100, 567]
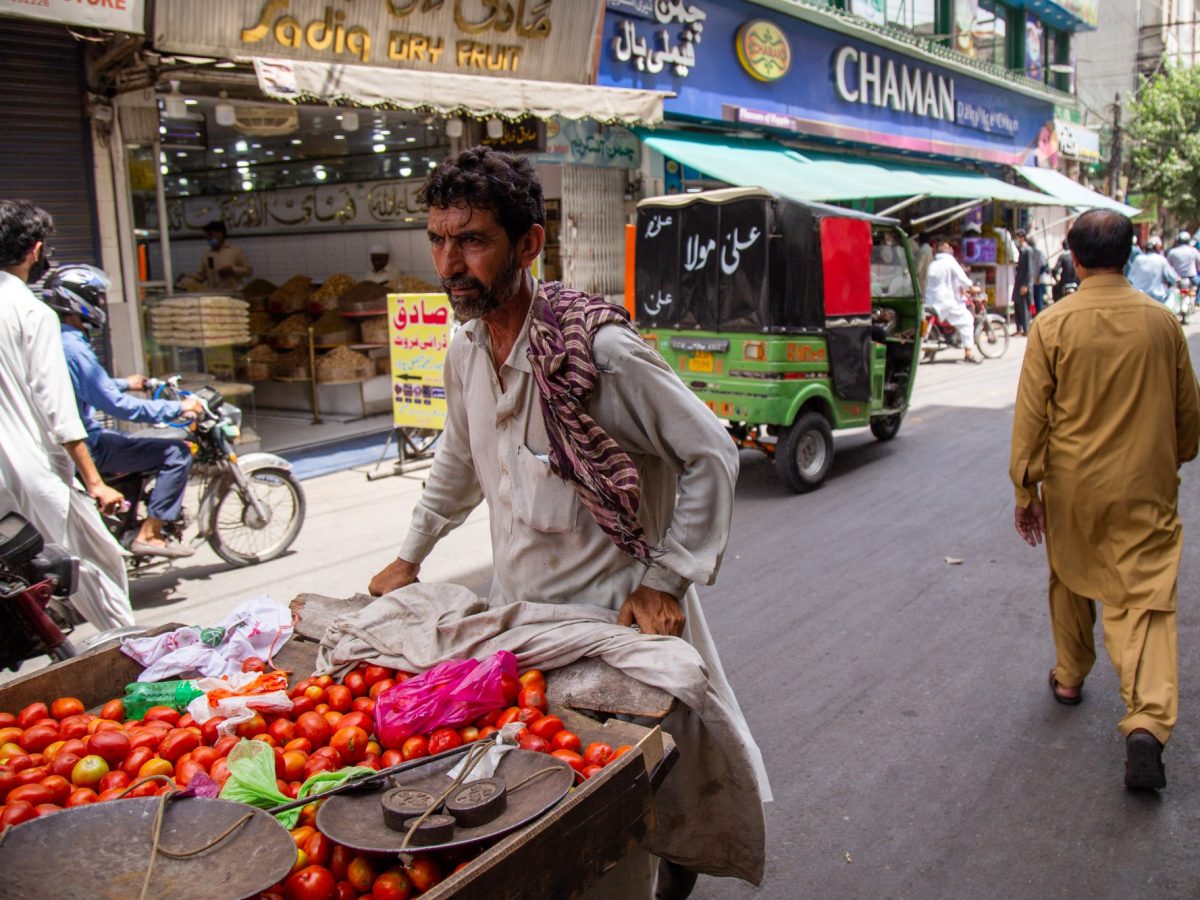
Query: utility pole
[1114, 156]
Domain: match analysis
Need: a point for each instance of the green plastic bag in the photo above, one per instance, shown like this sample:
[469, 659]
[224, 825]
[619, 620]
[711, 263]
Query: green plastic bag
[252, 780]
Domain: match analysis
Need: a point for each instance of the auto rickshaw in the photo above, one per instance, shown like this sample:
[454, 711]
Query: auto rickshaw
[788, 319]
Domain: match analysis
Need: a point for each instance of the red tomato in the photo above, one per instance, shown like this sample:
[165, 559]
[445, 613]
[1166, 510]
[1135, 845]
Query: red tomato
[32, 775]
[74, 727]
[344, 890]
[566, 740]
[137, 758]
[364, 705]
[186, 770]
[225, 744]
[148, 738]
[63, 763]
[329, 753]
[571, 758]
[391, 885]
[104, 725]
[535, 697]
[332, 716]
[265, 738]
[357, 720]
[79, 748]
[528, 714]
[167, 714]
[589, 771]
[374, 674]
[111, 746]
[350, 743]
[60, 788]
[206, 756]
[509, 688]
[209, 732]
[8, 781]
[488, 718]
[444, 739]
[17, 812]
[547, 727]
[323, 680]
[116, 779]
[339, 861]
[300, 687]
[293, 764]
[7, 719]
[315, 764]
[318, 847]
[114, 710]
[597, 754]
[313, 726]
[509, 715]
[256, 724]
[220, 771]
[361, 873]
[47, 809]
[302, 833]
[301, 705]
[487, 731]
[304, 745]
[11, 734]
[156, 766]
[533, 679]
[79, 797]
[178, 742]
[310, 883]
[110, 794]
[32, 713]
[370, 761]
[469, 734]
[620, 751]
[357, 684]
[186, 721]
[253, 664]
[530, 741]
[390, 758]
[33, 794]
[38, 737]
[379, 687]
[66, 706]
[339, 697]
[423, 873]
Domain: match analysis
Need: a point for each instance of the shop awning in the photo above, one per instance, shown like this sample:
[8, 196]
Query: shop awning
[1071, 193]
[825, 177]
[451, 94]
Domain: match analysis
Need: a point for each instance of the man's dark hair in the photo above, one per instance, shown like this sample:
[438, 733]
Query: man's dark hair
[216, 226]
[21, 226]
[1101, 239]
[483, 178]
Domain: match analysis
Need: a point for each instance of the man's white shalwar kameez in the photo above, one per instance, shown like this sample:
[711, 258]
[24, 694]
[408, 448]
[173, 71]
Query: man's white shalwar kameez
[38, 415]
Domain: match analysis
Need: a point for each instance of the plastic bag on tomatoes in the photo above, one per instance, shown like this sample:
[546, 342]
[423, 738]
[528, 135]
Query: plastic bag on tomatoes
[239, 696]
[451, 693]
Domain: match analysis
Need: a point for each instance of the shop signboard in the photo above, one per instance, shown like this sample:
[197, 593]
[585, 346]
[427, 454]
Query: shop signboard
[548, 40]
[835, 86]
[584, 142]
[327, 207]
[1077, 142]
[419, 331]
[111, 15]
[1035, 48]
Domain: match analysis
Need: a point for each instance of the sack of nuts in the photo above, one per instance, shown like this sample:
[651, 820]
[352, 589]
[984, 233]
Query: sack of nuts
[327, 295]
[366, 296]
[375, 330]
[291, 296]
[293, 364]
[290, 332]
[344, 364]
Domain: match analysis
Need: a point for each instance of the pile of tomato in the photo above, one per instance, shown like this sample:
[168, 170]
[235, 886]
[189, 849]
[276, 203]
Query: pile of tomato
[58, 755]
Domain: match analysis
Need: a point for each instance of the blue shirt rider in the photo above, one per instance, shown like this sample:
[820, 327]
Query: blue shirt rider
[77, 294]
[1151, 274]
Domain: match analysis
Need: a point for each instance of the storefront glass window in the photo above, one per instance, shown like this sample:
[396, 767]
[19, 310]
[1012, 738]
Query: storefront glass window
[919, 16]
[890, 276]
[991, 33]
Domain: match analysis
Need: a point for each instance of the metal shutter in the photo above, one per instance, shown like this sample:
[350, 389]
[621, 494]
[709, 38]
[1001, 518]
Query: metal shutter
[45, 141]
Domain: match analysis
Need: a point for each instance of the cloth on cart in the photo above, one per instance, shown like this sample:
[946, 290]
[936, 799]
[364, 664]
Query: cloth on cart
[710, 816]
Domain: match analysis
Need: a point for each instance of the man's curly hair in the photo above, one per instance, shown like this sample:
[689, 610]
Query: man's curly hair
[483, 178]
[21, 226]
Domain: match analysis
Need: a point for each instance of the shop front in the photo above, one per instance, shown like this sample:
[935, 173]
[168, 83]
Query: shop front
[306, 129]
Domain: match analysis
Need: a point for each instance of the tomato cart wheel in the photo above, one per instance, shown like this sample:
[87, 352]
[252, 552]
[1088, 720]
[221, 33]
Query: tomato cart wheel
[804, 454]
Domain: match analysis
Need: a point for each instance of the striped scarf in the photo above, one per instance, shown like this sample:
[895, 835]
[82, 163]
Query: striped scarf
[561, 332]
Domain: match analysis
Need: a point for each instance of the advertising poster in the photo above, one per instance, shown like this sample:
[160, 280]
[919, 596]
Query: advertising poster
[419, 330]
[966, 12]
[1035, 48]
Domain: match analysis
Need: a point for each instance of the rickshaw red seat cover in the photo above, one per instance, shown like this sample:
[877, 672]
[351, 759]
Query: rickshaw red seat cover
[846, 266]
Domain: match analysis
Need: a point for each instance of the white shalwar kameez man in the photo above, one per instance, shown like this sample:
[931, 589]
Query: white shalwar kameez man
[944, 285]
[38, 414]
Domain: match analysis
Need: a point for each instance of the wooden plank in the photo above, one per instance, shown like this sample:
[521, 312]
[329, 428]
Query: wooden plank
[318, 612]
[595, 685]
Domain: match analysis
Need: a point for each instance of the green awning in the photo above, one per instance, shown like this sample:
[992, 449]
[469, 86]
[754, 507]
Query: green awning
[824, 177]
[1071, 193]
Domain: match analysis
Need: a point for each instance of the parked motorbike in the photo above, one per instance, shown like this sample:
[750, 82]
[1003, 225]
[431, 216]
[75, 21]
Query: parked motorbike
[35, 581]
[250, 507]
[991, 333]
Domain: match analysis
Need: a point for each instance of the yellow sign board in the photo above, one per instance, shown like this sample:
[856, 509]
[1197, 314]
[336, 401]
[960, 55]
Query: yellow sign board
[763, 50]
[419, 330]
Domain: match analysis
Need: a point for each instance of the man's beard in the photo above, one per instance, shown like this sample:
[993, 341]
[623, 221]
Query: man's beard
[488, 298]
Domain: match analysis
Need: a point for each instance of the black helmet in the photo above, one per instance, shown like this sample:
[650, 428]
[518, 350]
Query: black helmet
[78, 290]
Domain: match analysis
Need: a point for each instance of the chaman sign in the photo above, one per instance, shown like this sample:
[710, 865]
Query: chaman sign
[549, 40]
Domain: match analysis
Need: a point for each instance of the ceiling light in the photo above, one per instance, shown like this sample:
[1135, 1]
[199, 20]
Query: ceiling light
[405, 171]
[322, 175]
[164, 169]
[297, 141]
[495, 128]
[225, 64]
[162, 157]
[432, 164]
[190, 102]
[410, 140]
[379, 148]
[181, 153]
[162, 129]
[246, 185]
[256, 146]
[454, 128]
[241, 147]
[385, 132]
[349, 120]
[218, 149]
[339, 137]
[270, 153]
[183, 181]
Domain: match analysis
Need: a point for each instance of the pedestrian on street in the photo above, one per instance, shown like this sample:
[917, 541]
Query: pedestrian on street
[946, 288]
[45, 443]
[1024, 281]
[608, 482]
[1107, 410]
[1152, 274]
[1064, 272]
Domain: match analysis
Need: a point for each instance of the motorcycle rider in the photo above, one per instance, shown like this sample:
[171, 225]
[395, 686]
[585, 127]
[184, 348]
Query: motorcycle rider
[77, 293]
[945, 284]
[1183, 258]
[1151, 274]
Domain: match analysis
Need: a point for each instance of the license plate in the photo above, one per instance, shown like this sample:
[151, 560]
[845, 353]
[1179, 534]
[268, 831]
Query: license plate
[700, 362]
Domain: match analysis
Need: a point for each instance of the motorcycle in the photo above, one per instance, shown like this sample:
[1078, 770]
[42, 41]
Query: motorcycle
[250, 507]
[1182, 300]
[991, 332]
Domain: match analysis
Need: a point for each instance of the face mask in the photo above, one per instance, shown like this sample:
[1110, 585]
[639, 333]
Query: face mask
[40, 267]
[214, 243]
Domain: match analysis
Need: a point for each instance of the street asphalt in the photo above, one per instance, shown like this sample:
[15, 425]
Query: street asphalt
[888, 639]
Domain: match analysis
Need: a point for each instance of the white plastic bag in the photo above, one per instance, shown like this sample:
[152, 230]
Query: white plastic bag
[238, 697]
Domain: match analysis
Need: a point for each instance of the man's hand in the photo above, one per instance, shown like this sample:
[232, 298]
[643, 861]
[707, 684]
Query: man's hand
[108, 499]
[192, 407]
[653, 611]
[1031, 522]
[399, 573]
[1023, 290]
[136, 382]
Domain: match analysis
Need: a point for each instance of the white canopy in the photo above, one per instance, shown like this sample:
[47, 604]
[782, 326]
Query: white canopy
[451, 94]
[1071, 193]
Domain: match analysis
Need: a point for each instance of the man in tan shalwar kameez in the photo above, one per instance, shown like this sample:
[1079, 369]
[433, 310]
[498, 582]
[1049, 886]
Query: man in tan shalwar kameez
[1106, 412]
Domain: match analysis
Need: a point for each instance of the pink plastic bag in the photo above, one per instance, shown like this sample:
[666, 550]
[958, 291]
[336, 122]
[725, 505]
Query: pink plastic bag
[451, 693]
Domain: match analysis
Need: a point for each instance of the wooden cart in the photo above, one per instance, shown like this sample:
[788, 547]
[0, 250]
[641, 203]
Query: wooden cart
[560, 855]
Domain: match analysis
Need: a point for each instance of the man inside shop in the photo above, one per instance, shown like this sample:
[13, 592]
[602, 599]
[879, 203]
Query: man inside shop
[223, 267]
[607, 481]
[383, 270]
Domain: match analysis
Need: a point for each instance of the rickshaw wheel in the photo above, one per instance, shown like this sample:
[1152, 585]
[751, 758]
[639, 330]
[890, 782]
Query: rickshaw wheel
[804, 454]
[885, 428]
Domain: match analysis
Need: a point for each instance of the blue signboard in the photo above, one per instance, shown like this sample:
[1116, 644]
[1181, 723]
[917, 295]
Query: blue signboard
[744, 64]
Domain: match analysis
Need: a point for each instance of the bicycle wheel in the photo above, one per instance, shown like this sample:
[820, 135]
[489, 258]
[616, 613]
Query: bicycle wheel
[991, 337]
[239, 536]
